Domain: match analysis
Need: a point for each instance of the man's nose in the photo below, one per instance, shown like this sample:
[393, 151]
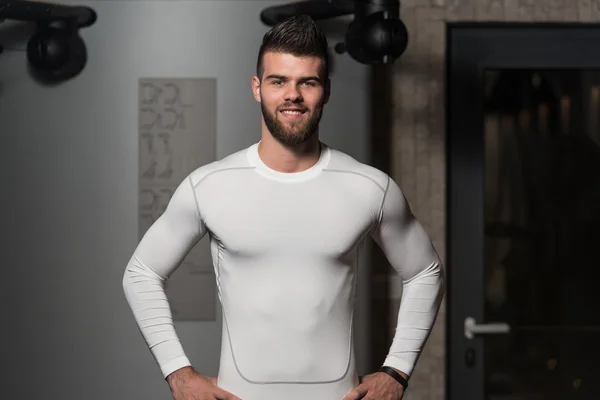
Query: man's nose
[293, 94]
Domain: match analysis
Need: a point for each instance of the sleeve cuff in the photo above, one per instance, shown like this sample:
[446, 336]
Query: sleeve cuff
[399, 364]
[173, 365]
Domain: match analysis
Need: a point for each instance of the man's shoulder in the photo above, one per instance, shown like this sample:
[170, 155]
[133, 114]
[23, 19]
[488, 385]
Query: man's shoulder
[344, 163]
[232, 162]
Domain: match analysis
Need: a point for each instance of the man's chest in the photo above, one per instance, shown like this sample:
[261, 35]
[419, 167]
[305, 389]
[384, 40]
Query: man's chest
[324, 223]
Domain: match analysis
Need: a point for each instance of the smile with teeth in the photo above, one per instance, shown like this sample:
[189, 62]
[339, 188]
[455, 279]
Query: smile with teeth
[293, 114]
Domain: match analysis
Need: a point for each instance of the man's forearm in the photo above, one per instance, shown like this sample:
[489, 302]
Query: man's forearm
[146, 296]
[419, 306]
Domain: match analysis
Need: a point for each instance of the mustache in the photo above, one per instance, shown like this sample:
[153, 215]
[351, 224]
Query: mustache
[294, 106]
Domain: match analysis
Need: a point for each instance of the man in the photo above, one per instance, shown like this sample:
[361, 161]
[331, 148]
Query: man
[285, 219]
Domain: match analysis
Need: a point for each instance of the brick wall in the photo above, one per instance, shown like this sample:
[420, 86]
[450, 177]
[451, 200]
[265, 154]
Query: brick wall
[413, 114]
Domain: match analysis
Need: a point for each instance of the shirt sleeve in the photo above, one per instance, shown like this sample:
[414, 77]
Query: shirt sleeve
[410, 252]
[159, 253]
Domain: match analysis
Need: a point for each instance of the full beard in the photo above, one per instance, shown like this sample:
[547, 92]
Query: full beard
[295, 133]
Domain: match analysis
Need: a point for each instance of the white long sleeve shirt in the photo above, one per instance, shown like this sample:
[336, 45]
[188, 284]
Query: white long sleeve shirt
[285, 255]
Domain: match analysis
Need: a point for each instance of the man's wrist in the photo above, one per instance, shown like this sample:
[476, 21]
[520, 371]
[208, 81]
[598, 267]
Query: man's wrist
[396, 374]
[179, 376]
[404, 375]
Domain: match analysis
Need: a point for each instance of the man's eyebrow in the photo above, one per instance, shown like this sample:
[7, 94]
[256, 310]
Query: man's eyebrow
[285, 78]
[275, 76]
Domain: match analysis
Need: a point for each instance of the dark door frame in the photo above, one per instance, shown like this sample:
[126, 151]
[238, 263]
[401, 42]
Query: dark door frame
[471, 48]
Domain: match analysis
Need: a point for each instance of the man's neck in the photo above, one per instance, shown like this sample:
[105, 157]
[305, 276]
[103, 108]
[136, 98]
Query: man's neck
[289, 160]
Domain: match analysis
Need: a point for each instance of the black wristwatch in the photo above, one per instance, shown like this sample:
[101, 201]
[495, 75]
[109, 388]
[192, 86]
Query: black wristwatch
[391, 372]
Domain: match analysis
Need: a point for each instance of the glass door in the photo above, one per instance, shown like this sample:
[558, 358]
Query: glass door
[524, 212]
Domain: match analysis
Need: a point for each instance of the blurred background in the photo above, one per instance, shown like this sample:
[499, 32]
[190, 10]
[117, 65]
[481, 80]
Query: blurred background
[489, 122]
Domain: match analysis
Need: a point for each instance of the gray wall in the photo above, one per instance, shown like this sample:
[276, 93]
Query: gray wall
[69, 162]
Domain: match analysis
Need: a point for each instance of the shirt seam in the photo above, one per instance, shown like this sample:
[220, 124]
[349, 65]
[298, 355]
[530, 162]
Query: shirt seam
[384, 190]
[356, 173]
[195, 186]
[380, 216]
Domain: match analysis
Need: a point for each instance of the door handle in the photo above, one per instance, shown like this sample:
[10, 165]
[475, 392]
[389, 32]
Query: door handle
[472, 328]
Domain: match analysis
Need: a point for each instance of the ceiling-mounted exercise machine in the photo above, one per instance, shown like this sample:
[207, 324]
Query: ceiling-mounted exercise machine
[55, 52]
[375, 36]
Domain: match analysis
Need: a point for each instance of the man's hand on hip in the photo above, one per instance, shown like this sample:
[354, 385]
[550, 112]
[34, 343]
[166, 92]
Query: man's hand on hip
[377, 386]
[187, 384]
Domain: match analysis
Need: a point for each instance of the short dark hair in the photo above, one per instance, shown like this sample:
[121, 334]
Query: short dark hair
[299, 36]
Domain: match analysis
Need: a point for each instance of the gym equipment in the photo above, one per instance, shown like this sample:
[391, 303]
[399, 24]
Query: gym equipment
[56, 52]
[375, 36]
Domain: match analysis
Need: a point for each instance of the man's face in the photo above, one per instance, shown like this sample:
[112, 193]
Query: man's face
[292, 95]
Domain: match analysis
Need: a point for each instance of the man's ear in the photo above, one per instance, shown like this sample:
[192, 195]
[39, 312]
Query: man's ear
[256, 88]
